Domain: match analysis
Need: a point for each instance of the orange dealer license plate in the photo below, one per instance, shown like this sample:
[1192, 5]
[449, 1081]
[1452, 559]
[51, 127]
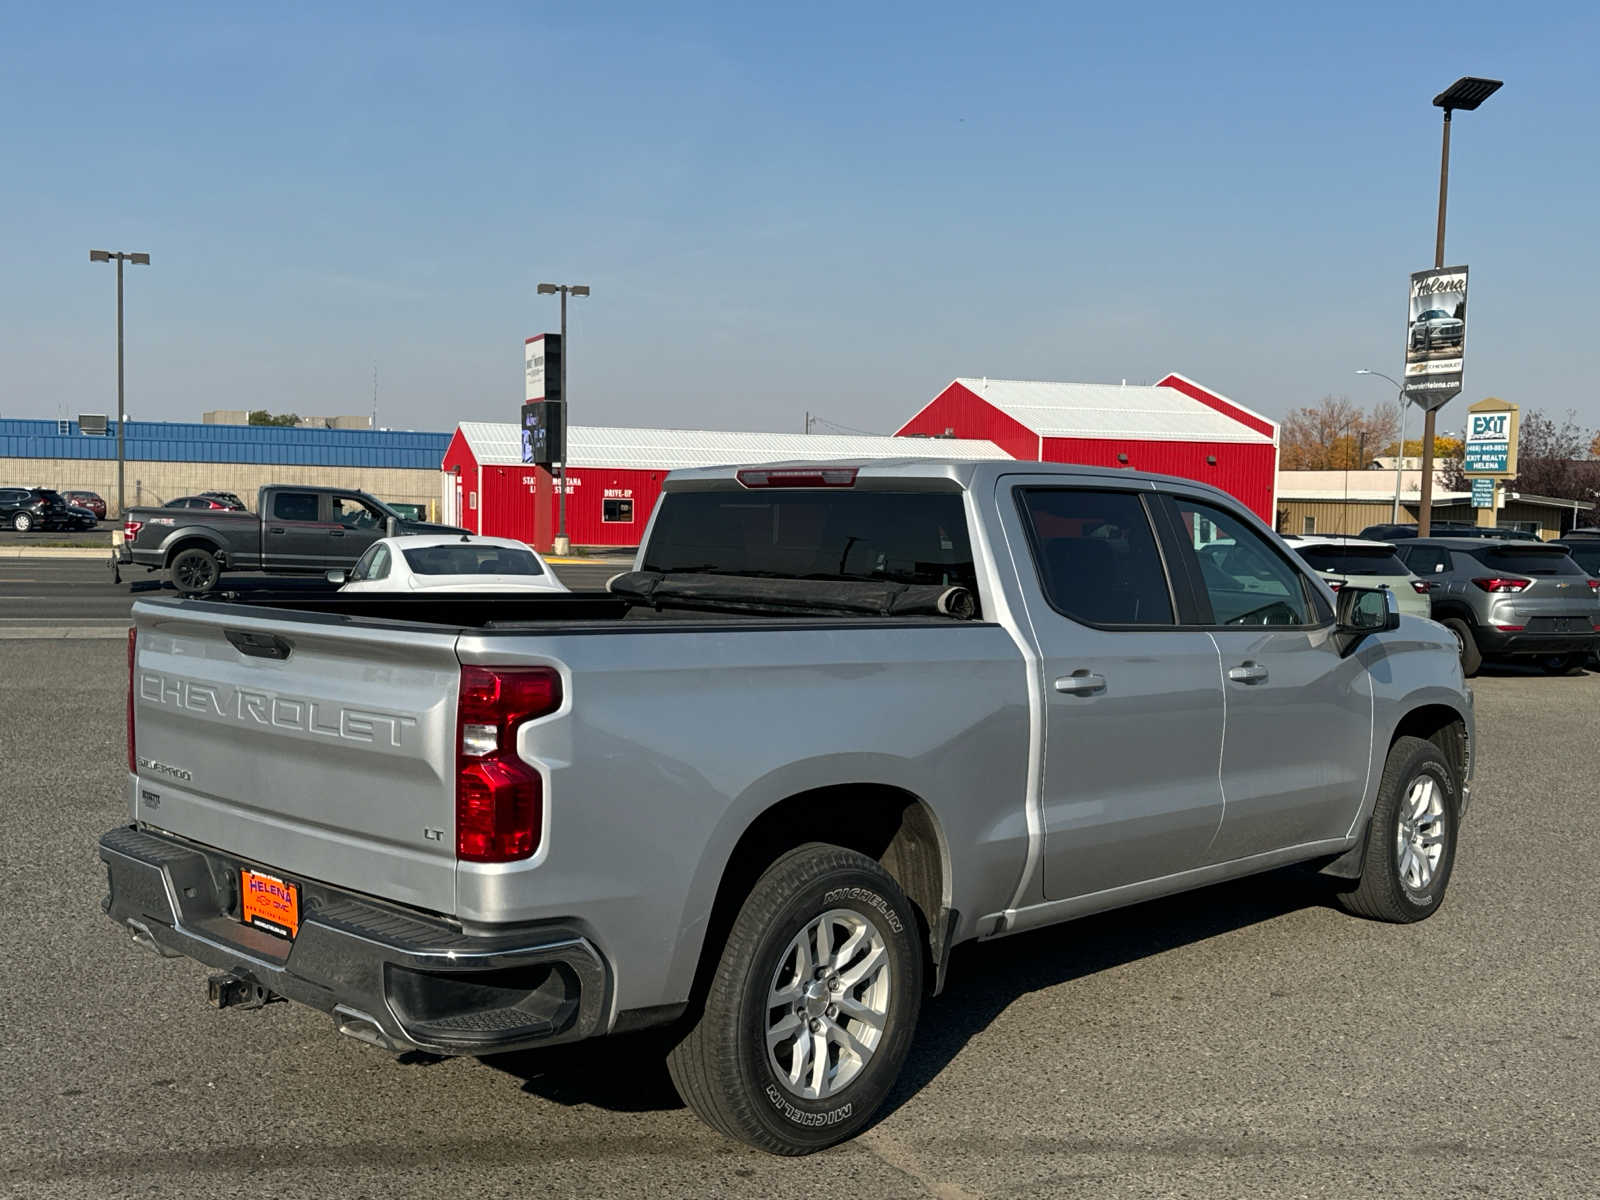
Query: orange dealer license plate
[270, 903]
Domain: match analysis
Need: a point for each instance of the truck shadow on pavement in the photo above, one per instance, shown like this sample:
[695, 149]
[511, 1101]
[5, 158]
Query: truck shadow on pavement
[628, 1073]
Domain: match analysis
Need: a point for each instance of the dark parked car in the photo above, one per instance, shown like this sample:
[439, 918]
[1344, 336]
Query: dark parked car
[201, 502]
[1506, 600]
[228, 500]
[86, 499]
[1455, 529]
[28, 509]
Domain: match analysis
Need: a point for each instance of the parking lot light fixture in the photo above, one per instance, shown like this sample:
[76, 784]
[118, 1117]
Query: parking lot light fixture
[1400, 453]
[563, 544]
[138, 259]
[1465, 94]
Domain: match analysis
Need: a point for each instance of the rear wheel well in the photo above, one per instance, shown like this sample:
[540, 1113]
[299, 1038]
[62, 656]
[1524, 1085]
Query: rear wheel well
[194, 543]
[1446, 729]
[884, 823]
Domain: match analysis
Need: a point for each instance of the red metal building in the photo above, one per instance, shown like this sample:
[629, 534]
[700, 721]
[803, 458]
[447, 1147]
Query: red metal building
[1175, 427]
[614, 474]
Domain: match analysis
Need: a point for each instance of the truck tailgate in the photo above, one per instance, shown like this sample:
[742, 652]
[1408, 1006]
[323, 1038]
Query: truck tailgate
[306, 747]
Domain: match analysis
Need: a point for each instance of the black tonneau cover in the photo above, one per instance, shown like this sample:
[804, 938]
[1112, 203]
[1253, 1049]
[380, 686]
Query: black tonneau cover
[838, 597]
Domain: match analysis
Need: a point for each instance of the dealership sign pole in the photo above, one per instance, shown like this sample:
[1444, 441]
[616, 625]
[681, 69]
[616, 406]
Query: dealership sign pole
[1464, 94]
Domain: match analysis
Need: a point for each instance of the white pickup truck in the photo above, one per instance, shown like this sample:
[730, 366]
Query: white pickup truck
[839, 719]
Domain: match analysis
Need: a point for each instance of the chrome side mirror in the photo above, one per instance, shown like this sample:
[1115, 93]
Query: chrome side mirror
[334, 576]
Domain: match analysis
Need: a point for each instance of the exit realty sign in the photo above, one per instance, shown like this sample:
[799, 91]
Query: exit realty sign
[1491, 439]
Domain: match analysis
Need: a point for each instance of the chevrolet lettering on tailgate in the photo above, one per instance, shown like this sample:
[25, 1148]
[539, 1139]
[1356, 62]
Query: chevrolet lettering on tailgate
[252, 706]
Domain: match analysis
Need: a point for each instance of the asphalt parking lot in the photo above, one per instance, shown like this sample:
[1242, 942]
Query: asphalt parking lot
[1244, 1040]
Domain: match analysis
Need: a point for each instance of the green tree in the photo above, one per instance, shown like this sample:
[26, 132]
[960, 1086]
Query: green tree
[261, 416]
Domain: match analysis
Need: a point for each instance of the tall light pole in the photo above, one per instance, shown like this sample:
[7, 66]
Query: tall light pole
[1465, 94]
[120, 256]
[1400, 456]
[563, 545]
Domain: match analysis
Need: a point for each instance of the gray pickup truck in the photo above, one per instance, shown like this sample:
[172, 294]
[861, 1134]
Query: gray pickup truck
[839, 719]
[296, 529]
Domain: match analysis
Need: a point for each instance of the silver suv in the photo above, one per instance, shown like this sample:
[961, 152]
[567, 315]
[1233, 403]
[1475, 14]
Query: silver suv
[1509, 600]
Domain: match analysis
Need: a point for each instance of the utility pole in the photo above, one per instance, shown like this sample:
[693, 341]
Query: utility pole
[120, 256]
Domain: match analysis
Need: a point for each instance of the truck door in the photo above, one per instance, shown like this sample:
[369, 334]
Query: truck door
[357, 523]
[1132, 699]
[1299, 715]
[294, 532]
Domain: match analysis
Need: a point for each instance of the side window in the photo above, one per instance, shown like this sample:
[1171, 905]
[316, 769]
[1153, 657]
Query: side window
[1247, 581]
[355, 514]
[1097, 557]
[378, 568]
[294, 506]
[1425, 560]
[617, 511]
[363, 567]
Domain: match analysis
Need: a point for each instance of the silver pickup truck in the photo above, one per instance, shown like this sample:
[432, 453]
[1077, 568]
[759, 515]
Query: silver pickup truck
[839, 719]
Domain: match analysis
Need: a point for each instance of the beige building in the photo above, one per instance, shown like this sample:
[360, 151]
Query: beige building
[155, 483]
[1346, 502]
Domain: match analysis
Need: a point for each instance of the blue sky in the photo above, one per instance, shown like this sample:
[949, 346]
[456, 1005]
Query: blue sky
[781, 208]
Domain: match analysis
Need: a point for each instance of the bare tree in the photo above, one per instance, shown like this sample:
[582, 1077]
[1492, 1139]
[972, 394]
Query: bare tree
[1335, 435]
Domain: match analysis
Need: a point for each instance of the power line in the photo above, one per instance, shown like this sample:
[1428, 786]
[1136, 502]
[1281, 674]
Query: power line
[820, 420]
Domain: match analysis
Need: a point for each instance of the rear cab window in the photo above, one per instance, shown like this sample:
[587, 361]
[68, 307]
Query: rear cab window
[1096, 555]
[294, 506]
[803, 533]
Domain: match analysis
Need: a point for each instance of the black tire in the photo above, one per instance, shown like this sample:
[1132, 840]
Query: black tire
[1471, 656]
[22, 522]
[1383, 892]
[722, 1067]
[194, 572]
[1563, 664]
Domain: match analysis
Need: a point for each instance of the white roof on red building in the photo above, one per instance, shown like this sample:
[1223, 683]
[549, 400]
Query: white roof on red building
[621, 448]
[1110, 410]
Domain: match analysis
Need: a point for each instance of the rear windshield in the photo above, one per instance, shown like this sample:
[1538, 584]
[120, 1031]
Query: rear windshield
[1526, 561]
[1587, 557]
[467, 559]
[891, 537]
[1353, 560]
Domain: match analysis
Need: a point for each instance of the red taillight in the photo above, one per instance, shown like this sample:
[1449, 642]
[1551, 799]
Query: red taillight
[133, 654]
[499, 797]
[1594, 585]
[1335, 584]
[130, 529]
[1502, 583]
[1511, 628]
[1421, 587]
[798, 477]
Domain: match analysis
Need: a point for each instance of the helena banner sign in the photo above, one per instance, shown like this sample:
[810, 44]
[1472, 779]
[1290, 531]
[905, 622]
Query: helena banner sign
[1436, 336]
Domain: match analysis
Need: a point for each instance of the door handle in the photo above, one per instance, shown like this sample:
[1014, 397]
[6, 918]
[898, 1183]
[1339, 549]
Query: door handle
[1248, 673]
[276, 529]
[335, 533]
[1081, 683]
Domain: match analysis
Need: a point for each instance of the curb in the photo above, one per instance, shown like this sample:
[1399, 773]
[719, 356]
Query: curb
[14, 551]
